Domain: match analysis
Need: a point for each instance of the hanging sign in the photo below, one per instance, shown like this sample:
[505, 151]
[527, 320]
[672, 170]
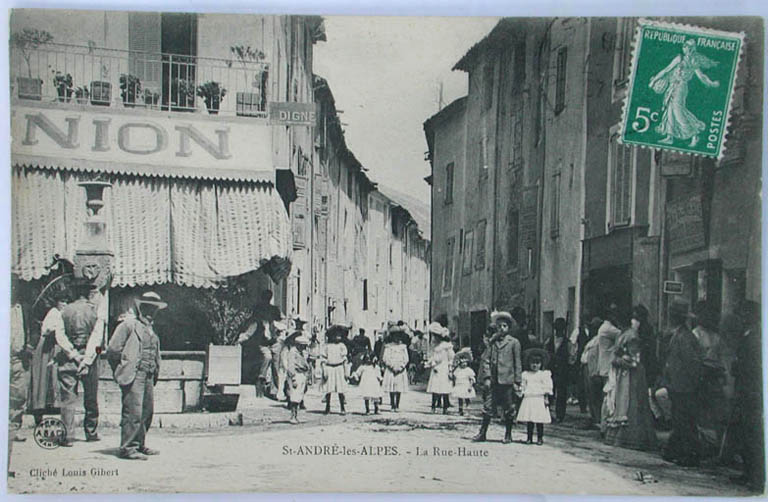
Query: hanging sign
[293, 113]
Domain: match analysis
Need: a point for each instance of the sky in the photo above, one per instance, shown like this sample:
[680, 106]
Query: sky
[384, 73]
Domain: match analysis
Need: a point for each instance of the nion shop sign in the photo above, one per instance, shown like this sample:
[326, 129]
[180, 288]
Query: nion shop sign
[122, 138]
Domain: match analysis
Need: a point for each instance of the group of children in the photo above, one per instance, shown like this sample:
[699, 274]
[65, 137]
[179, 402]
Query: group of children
[450, 375]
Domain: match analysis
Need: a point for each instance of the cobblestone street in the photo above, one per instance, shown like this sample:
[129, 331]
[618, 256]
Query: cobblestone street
[344, 453]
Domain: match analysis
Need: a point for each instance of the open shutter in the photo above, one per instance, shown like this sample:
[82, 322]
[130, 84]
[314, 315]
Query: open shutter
[144, 42]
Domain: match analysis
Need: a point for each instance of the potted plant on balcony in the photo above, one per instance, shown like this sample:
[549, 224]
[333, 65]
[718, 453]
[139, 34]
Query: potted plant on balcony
[212, 93]
[64, 86]
[27, 41]
[82, 94]
[249, 103]
[151, 98]
[130, 87]
[182, 95]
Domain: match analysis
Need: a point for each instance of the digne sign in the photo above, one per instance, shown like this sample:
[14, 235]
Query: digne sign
[293, 113]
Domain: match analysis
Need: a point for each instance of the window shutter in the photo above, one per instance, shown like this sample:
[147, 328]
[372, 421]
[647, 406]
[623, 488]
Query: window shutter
[144, 42]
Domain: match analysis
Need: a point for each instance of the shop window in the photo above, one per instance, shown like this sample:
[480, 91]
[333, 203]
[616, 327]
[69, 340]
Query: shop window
[562, 65]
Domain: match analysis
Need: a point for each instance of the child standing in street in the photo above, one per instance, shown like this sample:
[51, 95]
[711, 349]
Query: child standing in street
[464, 379]
[395, 362]
[369, 376]
[334, 364]
[536, 388]
[441, 364]
[297, 373]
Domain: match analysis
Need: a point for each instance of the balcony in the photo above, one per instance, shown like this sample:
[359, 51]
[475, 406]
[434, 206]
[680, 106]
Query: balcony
[101, 77]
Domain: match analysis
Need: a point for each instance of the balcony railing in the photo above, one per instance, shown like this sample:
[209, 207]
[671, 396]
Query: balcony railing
[130, 79]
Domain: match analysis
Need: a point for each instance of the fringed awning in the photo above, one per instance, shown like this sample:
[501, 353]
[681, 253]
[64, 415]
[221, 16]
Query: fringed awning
[191, 232]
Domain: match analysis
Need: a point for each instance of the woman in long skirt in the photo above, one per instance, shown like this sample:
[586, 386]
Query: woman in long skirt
[44, 385]
[395, 361]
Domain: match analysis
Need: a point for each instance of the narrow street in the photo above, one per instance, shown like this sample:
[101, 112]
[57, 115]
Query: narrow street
[344, 453]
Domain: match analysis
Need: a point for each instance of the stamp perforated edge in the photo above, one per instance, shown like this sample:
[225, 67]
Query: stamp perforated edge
[642, 22]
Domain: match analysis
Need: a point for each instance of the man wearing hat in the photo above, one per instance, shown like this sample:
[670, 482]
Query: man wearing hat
[682, 376]
[83, 333]
[501, 373]
[134, 355]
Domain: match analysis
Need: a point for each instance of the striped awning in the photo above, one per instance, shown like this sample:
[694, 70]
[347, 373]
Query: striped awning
[191, 232]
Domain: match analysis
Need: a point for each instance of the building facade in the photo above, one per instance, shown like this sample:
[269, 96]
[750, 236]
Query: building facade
[579, 221]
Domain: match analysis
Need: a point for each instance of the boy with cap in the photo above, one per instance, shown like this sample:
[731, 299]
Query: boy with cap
[501, 373]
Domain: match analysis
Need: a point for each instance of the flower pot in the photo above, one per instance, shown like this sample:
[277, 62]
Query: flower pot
[64, 92]
[101, 93]
[249, 104]
[213, 105]
[30, 88]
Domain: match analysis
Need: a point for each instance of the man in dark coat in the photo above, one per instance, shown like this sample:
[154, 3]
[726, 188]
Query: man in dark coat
[501, 374]
[521, 332]
[561, 355]
[682, 376]
[749, 399]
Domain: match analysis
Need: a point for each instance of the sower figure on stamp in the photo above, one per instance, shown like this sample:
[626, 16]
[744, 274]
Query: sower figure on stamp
[501, 373]
[134, 355]
[83, 334]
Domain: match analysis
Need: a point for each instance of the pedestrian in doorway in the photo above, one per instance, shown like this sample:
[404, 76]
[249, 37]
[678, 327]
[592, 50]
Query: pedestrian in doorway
[562, 355]
[297, 373]
[395, 363]
[537, 387]
[441, 365]
[501, 374]
[579, 338]
[369, 376]
[84, 334]
[335, 364]
[606, 340]
[134, 355]
[682, 376]
[463, 379]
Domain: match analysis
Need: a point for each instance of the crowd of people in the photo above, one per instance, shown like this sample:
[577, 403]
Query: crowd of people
[700, 380]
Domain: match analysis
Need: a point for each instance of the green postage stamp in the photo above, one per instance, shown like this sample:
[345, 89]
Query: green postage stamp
[680, 89]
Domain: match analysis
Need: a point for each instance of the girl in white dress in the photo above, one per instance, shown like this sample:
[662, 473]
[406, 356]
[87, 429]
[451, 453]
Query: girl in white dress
[395, 362]
[536, 387]
[369, 376]
[463, 380]
[334, 362]
[441, 362]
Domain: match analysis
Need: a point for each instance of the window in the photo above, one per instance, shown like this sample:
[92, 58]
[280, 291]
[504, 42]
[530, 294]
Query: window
[516, 161]
[482, 158]
[448, 270]
[487, 86]
[531, 263]
[620, 160]
[623, 50]
[365, 294]
[562, 62]
[513, 250]
[480, 245]
[554, 210]
[466, 266]
[449, 183]
[519, 75]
